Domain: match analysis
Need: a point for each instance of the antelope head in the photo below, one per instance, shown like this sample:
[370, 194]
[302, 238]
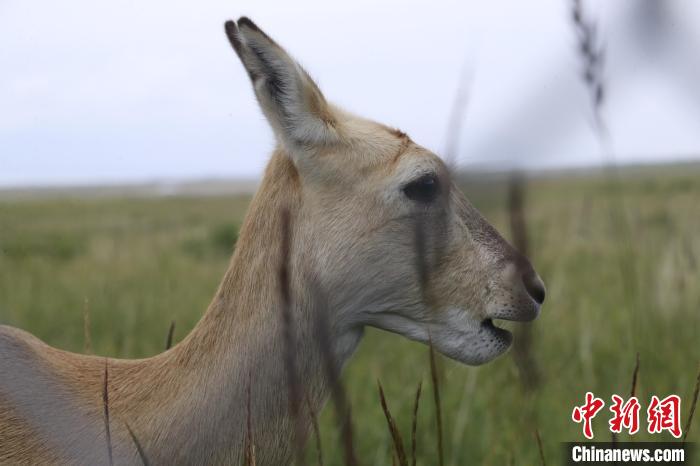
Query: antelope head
[380, 225]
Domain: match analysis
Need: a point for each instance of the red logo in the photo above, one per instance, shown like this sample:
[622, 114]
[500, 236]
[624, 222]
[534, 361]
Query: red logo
[586, 412]
[661, 414]
[624, 415]
[665, 415]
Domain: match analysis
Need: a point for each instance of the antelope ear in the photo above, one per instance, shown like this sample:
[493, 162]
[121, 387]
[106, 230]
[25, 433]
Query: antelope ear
[291, 101]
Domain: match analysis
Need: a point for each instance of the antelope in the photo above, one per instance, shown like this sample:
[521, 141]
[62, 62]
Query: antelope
[352, 193]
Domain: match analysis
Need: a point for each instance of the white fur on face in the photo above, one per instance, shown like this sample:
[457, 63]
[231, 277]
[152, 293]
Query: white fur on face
[452, 332]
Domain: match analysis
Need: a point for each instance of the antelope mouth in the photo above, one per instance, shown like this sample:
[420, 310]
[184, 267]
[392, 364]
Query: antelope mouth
[501, 334]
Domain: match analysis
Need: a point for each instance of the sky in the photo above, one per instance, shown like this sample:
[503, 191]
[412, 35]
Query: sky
[132, 91]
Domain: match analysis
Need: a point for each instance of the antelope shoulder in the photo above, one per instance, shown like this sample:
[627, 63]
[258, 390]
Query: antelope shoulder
[42, 419]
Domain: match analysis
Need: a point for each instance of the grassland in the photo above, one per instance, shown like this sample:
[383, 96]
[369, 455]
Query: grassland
[621, 262]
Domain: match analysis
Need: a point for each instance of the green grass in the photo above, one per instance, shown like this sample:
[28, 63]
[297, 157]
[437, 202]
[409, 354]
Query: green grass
[621, 264]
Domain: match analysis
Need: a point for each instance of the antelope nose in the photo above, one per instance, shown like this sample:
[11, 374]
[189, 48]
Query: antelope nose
[534, 286]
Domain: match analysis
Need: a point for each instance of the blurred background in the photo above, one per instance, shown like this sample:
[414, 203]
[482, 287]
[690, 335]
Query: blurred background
[130, 143]
[114, 92]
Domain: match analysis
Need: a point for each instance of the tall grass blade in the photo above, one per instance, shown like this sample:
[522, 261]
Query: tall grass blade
[522, 347]
[454, 123]
[414, 424]
[693, 404]
[171, 332]
[436, 398]
[633, 390]
[249, 451]
[538, 438]
[332, 374]
[635, 375]
[393, 430]
[137, 444]
[105, 404]
[317, 431]
[592, 55]
[290, 363]
[87, 339]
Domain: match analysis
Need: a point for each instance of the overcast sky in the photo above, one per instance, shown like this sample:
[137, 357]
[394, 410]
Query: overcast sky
[107, 92]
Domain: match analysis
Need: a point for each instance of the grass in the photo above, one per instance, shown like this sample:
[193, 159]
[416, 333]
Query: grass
[136, 265]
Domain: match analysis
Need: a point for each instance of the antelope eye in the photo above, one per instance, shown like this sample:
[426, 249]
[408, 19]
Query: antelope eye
[424, 189]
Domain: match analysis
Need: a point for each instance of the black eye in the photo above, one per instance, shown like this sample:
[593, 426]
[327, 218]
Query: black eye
[425, 189]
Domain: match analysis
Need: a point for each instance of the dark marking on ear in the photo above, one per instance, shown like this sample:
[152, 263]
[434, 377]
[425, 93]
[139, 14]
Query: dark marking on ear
[285, 91]
[234, 38]
[274, 80]
[245, 22]
[232, 34]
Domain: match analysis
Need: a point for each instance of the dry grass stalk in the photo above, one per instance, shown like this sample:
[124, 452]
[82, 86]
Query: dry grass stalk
[419, 243]
[249, 450]
[690, 254]
[591, 52]
[87, 340]
[454, 124]
[592, 57]
[332, 374]
[171, 332]
[693, 404]
[438, 226]
[414, 424]
[137, 444]
[522, 346]
[289, 336]
[105, 403]
[633, 390]
[635, 375]
[539, 447]
[395, 434]
[436, 398]
[317, 431]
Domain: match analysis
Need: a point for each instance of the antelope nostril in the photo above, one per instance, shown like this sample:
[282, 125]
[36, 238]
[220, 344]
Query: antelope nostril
[534, 286]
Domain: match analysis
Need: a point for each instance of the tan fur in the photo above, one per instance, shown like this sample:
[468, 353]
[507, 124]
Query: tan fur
[353, 237]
